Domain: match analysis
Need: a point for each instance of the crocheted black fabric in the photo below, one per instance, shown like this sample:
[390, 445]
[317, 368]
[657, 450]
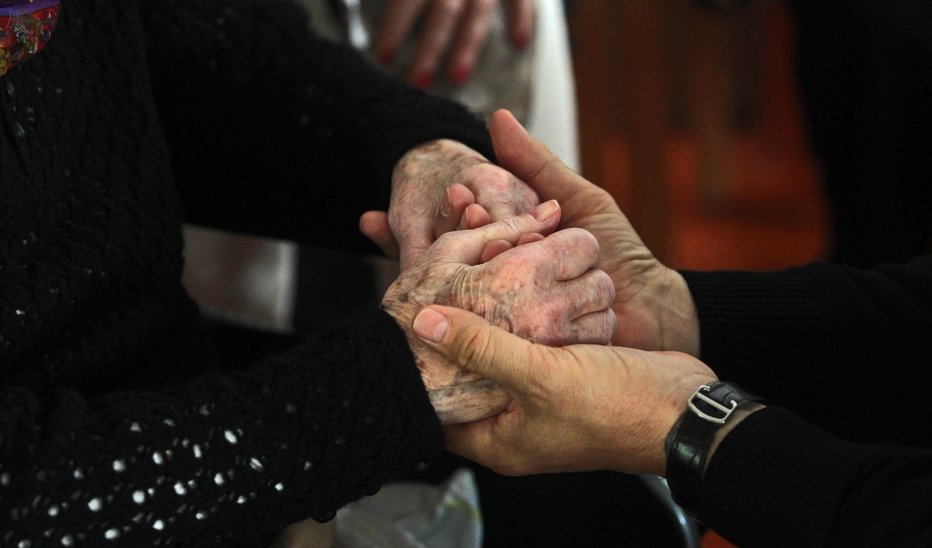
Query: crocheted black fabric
[118, 423]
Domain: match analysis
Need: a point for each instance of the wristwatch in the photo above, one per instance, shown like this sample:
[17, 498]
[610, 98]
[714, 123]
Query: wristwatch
[708, 409]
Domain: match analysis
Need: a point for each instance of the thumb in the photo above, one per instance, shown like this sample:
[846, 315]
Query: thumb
[374, 225]
[531, 161]
[474, 344]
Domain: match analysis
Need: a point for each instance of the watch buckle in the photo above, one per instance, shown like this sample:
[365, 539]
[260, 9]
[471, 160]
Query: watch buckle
[725, 411]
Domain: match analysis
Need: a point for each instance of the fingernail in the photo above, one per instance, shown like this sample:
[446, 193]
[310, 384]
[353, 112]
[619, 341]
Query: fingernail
[460, 74]
[446, 204]
[469, 216]
[424, 80]
[387, 57]
[545, 210]
[431, 325]
[522, 40]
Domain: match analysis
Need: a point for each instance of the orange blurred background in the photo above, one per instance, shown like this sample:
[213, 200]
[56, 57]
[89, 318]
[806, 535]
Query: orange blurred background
[692, 119]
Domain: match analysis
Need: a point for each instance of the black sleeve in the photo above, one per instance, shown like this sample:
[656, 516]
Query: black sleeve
[776, 480]
[298, 435]
[844, 348]
[276, 132]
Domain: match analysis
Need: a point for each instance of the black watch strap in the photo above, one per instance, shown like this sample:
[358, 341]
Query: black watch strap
[709, 408]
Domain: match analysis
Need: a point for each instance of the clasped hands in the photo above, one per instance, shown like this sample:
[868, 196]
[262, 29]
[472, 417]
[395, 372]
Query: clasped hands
[580, 407]
[548, 289]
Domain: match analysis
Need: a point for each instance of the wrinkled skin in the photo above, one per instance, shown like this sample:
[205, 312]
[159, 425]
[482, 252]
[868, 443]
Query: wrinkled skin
[441, 186]
[654, 307]
[545, 291]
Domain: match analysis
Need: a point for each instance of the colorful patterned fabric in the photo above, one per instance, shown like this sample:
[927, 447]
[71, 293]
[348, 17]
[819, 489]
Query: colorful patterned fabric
[25, 27]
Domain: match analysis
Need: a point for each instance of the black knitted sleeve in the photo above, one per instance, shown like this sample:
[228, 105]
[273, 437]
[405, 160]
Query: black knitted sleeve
[116, 425]
[273, 131]
[236, 455]
[823, 340]
[778, 481]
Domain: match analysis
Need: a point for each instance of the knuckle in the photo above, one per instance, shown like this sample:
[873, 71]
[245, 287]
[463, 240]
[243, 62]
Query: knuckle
[499, 190]
[583, 240]
[493, 180]
[497, 177]
[605, 287]
[546, 325]
[599, 329]
[447, 240]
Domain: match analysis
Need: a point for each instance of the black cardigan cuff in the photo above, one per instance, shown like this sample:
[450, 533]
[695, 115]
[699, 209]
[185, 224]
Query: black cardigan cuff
[773, 481]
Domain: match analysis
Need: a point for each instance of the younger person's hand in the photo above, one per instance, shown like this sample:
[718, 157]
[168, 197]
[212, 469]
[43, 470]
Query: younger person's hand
[653, 304]
[576, 408]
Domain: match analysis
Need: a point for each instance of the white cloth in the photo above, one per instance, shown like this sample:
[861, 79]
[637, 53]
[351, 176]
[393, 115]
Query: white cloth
[414, 515]
[552, 114]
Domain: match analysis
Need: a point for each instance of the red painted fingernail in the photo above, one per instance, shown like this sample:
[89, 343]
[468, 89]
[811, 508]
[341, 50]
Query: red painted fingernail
[424, 80]
[522, 40]
[460, 74]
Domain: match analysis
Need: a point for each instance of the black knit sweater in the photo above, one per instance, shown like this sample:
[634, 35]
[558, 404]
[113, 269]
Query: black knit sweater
[849, 350]
[118, 423]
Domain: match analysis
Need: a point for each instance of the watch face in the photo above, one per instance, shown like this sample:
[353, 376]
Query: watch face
[25, 28]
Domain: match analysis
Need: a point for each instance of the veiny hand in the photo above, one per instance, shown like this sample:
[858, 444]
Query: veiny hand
[576, 408]
[653, 304]
[459, 26]
[441, 186]
[544, 291]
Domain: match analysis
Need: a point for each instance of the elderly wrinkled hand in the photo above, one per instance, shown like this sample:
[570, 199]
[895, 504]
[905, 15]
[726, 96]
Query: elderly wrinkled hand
[459, 26]
[438, 187]
[653, 304]
[576, 408]
[545, 291]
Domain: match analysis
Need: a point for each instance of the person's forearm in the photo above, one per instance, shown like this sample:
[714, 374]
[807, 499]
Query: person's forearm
[244, 453]
[275, 132]
[833, 327]
[732, 423]
[775, 480]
